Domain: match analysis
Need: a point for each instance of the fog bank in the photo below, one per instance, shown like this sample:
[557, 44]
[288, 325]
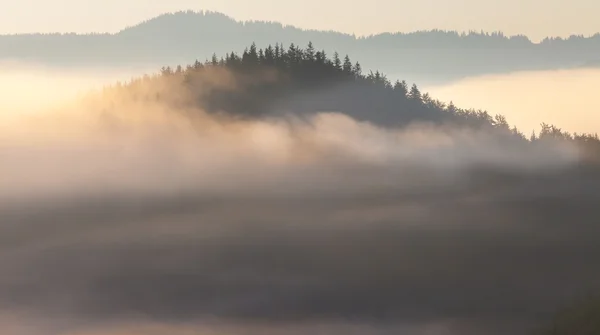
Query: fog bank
[143, 218]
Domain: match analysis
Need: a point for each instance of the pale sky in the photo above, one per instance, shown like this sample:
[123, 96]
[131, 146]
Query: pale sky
[535, 18]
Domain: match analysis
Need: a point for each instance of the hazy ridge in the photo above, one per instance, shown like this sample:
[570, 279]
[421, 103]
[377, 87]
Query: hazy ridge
[425, 57]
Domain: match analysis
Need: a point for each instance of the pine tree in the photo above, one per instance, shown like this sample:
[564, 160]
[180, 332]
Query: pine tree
[500, 121]
[357, 69]
[277, 52]
[337, 63]
[401, 88]
[532, 138]
[291, 54]
[310, 52]
[347, 66]
[253, 54]
[233, 59]
[451, 108]
[415, 94]
[245, 56]
[165, 71]
[283, 55]
[269, 55]
[300, 56]
[427, 101]
[320, 57]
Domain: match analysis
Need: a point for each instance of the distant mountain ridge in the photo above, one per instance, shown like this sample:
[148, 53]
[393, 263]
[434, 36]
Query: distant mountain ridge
[183, 37]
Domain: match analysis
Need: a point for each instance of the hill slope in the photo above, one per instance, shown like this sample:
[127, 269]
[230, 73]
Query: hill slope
[264, 82]
[427, 56]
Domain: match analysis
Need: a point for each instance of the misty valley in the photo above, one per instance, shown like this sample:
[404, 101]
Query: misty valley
[290, 189]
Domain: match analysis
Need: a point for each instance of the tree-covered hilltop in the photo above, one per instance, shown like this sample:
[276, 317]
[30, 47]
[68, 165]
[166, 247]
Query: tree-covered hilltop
[279, 79]
[541, 206]
[303, 81]
[422, 56]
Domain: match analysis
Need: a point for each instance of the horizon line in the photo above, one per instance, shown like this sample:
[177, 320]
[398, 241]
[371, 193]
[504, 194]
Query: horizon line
[284, 25]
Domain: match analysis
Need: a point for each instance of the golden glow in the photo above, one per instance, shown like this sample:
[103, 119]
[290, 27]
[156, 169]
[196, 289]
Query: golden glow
[565, 98]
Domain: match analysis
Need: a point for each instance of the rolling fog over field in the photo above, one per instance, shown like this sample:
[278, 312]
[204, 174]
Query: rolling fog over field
[132, 213]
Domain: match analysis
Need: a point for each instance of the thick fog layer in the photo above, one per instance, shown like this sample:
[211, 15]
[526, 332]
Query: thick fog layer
[144, 219]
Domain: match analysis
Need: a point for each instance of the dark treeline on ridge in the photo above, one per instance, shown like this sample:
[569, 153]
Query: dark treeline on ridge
[423, 56]
[303, 81]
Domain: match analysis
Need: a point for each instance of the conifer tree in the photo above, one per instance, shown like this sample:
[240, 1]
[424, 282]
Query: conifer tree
[415, 93]
[347, 66]
[310, 52]
[277, 52]
[451, 108]
[253, 54]
[269, 55]
[401, 88]
[357, 69]
[337, 63]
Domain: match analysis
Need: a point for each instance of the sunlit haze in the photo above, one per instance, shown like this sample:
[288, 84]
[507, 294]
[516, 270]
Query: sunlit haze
[197, 175]
[567, 98]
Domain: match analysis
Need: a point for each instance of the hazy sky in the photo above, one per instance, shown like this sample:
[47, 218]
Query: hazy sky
[535, 18]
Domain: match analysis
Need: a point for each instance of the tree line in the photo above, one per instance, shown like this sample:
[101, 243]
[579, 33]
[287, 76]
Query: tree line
[427, 57]
[331, 83]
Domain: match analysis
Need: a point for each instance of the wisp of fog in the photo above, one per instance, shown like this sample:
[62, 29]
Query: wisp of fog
[143, 218]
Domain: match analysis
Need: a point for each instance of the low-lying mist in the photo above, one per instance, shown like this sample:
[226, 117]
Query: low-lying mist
[566, 98]
[146, 219]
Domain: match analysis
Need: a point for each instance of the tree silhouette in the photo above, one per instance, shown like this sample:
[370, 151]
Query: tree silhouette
[401, 88]
[347, 66]
[337, 63]
[415, 93]
[166, 39]
[308, 81]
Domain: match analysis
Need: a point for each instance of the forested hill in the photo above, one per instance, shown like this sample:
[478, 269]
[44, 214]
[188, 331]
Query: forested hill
[268, 81]
[420, 56]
